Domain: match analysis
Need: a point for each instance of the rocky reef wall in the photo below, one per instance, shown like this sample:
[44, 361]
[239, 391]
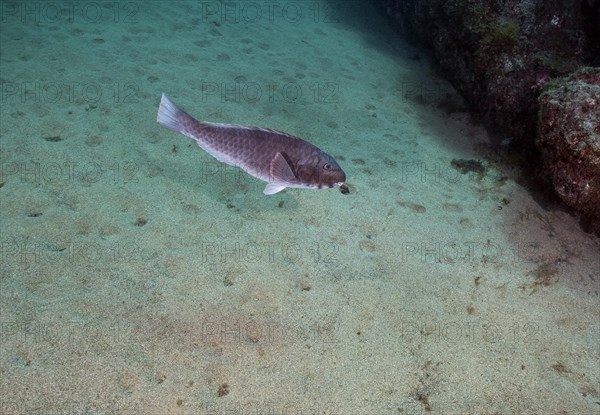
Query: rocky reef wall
[530, 69]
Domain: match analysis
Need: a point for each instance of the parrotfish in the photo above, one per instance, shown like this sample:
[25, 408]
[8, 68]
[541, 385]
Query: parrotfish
[275, 157]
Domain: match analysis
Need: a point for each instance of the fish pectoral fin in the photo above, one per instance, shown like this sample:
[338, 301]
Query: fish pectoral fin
[273, 188]
[280, 175]
[280, 170]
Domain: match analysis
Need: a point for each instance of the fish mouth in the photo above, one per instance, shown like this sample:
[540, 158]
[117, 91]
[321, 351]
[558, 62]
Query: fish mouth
[338, 184]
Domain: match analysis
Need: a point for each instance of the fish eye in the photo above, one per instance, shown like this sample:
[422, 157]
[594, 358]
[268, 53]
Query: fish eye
[326, 166]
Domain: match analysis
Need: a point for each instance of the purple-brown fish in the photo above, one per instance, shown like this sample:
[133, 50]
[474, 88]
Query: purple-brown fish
[275, 157]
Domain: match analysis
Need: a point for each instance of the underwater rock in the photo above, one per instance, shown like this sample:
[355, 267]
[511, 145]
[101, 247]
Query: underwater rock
[569, 140]
[498, 55]
[466, 166]
[501, 56]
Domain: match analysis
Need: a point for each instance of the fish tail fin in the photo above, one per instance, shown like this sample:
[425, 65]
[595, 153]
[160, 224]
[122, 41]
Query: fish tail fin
[174, 118]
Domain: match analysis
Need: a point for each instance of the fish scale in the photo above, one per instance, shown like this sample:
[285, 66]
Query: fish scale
[275, 157]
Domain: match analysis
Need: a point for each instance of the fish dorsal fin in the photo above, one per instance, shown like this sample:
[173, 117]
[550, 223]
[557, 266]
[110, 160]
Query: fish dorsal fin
[280, 175]
[280, 170]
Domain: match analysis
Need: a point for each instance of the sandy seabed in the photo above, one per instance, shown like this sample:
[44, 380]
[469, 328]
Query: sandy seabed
[138, 275]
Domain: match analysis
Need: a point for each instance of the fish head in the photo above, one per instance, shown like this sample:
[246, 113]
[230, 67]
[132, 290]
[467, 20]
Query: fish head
[320, 171]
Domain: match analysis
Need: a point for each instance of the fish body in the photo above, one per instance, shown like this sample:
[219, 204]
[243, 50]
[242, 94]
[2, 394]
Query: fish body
[275, 157]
